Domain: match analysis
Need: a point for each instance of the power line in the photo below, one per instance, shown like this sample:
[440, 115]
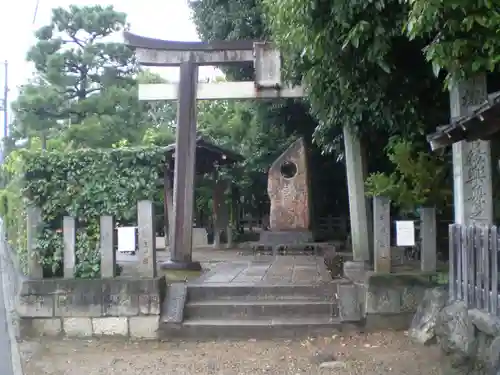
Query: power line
[4, 102]
[36, 10]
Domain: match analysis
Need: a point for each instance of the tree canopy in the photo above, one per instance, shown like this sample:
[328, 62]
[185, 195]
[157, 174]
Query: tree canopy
[276, 122]
[85, 86]
[463, 34]
[377, 80]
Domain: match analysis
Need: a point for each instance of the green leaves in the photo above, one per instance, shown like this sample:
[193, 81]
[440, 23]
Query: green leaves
[463, 34]
[90, 183]
[39, 105]
[360, 68]
[81, 79]
[418, 178]
[85, 184]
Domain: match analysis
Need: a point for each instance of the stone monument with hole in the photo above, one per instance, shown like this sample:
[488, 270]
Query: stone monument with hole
[289, 193]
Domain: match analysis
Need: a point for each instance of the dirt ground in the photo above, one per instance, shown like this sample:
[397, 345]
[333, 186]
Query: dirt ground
[367, 354]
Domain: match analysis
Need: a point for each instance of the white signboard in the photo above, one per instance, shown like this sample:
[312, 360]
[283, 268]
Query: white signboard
[161, 243]
[405, 233]
[126, 239]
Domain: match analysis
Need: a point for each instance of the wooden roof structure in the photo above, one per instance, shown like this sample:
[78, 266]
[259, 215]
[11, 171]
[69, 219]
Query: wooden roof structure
[208, 155]
[482, 122]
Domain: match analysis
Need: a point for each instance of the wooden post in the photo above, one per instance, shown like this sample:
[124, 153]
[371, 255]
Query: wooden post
[146, 248]
[494, 270]
[382, 234]
[467, 239]
[453, 278]
[185, 158]
[485, 268]
[459, 238]
[107, 247]
[231, 218]
[168, 204]
[69, 255]
[476, 253]
[216, 197]
[220, 212]
[34, 218]
[428, 237]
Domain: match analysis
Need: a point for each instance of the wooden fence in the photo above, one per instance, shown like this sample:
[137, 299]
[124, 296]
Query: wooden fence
[473, 266]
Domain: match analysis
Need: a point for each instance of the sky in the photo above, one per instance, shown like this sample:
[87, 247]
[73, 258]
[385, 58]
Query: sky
[164, 19]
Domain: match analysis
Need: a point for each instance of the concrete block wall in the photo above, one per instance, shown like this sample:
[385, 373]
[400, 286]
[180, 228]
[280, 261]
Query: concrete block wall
[94, 307]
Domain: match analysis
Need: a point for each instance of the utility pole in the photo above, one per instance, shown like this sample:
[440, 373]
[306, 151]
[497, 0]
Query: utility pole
[5, 100]
[37, 5]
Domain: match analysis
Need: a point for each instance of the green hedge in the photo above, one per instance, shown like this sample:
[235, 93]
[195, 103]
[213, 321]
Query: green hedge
[84, 183]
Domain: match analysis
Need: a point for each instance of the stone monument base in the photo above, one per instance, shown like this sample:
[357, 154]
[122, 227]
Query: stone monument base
[274, 238]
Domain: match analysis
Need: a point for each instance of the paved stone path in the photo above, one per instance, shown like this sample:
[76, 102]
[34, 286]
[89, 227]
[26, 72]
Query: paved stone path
[268, 270]
[208, 257]
[242, 267]
[203, 255]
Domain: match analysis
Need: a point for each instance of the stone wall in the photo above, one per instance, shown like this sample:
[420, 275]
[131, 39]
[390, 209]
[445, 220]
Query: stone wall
[469, 336]
[97, 307]
[392, 299]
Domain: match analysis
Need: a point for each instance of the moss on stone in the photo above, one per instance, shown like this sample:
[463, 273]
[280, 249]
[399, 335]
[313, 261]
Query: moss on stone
[180, 275]
[424, 279]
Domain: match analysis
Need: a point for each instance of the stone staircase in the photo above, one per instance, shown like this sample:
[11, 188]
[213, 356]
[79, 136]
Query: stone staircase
[250, 311]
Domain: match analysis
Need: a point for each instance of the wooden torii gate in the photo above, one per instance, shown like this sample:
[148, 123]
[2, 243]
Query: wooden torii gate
[189, 56]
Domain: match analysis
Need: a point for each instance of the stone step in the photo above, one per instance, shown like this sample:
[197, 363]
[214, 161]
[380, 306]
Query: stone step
[204, 292]
[284, 252]
[289, 249]
[200, 329]
[248, 309]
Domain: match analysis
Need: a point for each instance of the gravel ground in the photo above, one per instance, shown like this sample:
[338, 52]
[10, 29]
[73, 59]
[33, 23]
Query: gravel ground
[367, 354]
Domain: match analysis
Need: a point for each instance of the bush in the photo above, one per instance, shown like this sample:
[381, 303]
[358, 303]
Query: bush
[417, 181]
[85, 184]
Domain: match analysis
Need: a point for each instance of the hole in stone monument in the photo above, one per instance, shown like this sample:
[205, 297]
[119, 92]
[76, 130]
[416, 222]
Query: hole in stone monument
[288, 169]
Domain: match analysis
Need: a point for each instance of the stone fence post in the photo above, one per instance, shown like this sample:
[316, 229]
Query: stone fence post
[69, 239]
[382, 234]
[146, 248]
[34, 218]
[428, 237]
[107, 246]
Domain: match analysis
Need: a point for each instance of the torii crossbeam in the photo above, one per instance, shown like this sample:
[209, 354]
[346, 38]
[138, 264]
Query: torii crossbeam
[189, 56]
